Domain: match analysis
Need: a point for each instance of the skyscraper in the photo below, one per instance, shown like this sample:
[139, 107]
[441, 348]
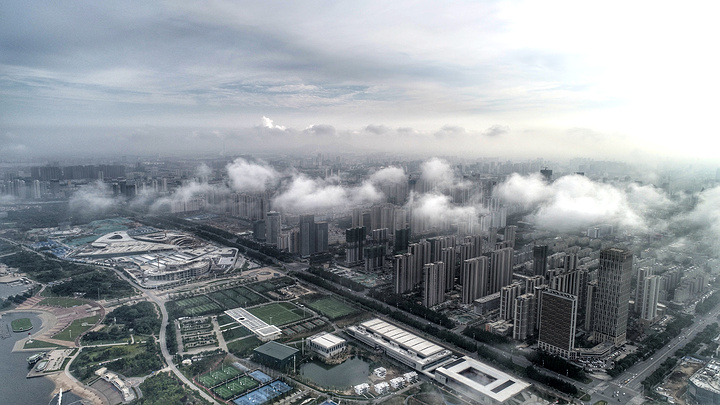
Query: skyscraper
[540, 254]
[273, 225]
[307, 235]
[651, 291]
[355, 238]
[434, 284]
[525, 316]
[475, 279]
[610, 306]
[558, 313]
[501, 263]
[508, 294]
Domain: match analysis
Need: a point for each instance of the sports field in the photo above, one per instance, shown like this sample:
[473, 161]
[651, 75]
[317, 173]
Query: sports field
[278, 313]
[331, 307]
[235, 387]
[199, 305]
[218, 376]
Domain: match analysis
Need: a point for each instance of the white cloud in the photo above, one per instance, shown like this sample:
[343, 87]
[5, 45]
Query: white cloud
[251, 177]
[304, 194]
[268, 123]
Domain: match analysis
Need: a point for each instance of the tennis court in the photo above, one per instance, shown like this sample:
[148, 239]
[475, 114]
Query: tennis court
[235, 387]
[219, 376]
[264, 394]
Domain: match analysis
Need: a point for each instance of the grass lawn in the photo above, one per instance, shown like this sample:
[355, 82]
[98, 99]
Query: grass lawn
[331, 307]
[21, 325]
[243, 347]
[39, 344]
[62, 302]
[77, 327]
[234, 333]
[278, 313]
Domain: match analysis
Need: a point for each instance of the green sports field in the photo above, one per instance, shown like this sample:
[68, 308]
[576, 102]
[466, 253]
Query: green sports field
[219, 376]
[235, 387]
[279, 313]
[331, 307]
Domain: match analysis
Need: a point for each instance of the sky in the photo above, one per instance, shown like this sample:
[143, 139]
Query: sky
[523, 79]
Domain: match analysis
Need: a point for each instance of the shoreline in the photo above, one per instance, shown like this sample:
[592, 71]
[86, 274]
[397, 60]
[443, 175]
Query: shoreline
[60, 379]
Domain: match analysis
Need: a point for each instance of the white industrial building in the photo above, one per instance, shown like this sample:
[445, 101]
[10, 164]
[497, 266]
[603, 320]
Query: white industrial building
[480, 381]
[400, 344]
[327, 344]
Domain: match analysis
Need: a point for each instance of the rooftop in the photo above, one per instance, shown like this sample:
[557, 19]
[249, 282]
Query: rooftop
[276, 350]
[402, 337]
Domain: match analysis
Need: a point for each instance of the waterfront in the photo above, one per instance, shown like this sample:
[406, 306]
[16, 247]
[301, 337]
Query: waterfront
[15, 388]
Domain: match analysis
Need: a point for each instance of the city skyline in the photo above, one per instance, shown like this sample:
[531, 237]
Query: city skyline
[514, 79]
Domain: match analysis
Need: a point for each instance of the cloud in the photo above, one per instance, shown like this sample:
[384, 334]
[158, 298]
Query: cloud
[203, 171]
[92, 198]
[573, 202]
[377, 129]
[436, 209]
[388, 175]
[321, 130]
[305, 194]
[268, 123]
[251, 177]
[496, 130]
[526, 191]
[437, 173]
[450, 131]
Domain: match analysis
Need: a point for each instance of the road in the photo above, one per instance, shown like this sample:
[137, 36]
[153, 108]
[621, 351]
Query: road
[619, 391]
[163, 343]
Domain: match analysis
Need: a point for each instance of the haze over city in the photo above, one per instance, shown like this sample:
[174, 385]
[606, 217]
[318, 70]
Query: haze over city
[295, 203]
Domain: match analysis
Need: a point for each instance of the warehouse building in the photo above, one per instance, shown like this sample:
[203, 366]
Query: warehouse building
[275, 355]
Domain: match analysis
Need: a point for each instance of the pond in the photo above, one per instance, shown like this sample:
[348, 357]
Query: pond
[350, 372]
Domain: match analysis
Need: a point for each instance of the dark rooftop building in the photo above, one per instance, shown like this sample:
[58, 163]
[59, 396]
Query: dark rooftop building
[275, 355]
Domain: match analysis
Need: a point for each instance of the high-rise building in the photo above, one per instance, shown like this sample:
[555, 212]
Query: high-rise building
[651, 292]
[508, 294]
[402, 276]
[374, 257]
[355, 238]
[447, 256]
[525, 316]
[558, 313]
[402, 239]
[642, 274]
[501, 264]
[321, 237]
[421, 256]
[611, 301]
[475, 279]
[540, 254]
[434, 284]
[273, 226]
[307, 235]
[510, 235]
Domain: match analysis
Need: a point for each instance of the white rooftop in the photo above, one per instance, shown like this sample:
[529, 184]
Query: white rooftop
[402, 337]
[255, 324]
[326, 340]
[483, 378]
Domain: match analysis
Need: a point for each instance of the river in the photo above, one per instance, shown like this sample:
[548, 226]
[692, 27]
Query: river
[15, 389]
